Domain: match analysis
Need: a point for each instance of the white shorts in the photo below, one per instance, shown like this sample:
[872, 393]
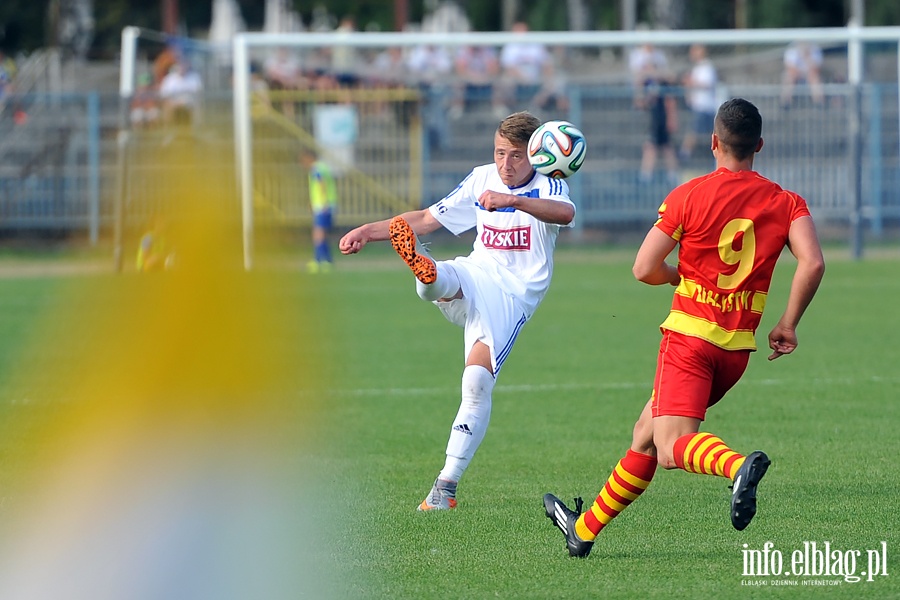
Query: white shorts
[485, 312]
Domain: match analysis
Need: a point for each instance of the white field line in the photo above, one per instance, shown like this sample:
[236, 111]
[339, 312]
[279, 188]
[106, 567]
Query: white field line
[621, 385]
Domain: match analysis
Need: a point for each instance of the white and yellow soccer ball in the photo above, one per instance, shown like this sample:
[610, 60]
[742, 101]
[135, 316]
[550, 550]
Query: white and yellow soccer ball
[557, 149]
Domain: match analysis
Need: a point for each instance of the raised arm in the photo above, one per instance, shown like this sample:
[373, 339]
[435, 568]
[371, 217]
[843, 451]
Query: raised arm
[804, 244]
[422, 222]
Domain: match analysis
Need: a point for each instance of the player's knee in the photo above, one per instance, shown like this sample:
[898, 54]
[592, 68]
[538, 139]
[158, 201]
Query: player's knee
[445, 286]
[666, 460]
[665, 453]
[477, 385]
[642, 438]
[427, 292]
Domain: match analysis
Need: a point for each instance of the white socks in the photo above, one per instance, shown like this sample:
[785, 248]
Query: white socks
[471, 421]
[445, 286]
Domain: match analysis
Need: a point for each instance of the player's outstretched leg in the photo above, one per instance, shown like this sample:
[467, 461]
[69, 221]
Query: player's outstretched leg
[625, 484]
[404, 242]
[707, 454]
[564, 518]
[441, 497]
[743, 495]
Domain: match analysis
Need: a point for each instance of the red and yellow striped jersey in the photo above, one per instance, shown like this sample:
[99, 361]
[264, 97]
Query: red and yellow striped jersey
[731, 228]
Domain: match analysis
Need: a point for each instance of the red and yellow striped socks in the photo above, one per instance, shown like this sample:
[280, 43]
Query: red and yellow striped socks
[628, 480]
[694, 452]
[707, 454]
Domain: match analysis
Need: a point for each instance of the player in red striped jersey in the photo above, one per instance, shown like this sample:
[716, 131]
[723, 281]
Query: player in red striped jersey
[731, 226]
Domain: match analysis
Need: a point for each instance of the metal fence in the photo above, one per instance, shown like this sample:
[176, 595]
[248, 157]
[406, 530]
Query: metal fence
[58, 168]
[50, 163]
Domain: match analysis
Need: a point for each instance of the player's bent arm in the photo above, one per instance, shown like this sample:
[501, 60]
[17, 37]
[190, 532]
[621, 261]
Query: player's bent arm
[543, 209]
[804, 244]
[421, 221]
[650, 264]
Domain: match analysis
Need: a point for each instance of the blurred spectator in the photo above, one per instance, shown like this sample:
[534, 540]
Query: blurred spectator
[802, 65]
[429, 64]
[7, 73]
[525, 66]
[7, 65]
[282, 72]
[429, 68]
[386, 71]
[658, 99]
[477, 68]
[164, 62]
[552, 92]
[645, 62]
[700, 87]
[388, 68]
[8, 70]
[344, 58]
[654, 94]
[180, 92]
[144, 103]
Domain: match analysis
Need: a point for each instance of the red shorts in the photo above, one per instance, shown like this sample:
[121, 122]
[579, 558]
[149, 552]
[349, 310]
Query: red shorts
[693, 374]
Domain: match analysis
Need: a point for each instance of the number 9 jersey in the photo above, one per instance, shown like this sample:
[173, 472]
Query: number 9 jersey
[731, 228]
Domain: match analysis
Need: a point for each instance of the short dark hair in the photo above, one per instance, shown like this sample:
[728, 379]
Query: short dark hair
[518, 127]
[739, 127]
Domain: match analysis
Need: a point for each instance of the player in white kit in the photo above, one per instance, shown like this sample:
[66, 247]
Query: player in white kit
[517, 214]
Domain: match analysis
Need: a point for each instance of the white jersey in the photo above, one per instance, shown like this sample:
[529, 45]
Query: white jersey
[526, 58]
[702, 92]
[515, 248]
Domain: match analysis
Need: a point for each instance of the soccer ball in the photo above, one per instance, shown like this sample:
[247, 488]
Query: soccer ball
[557, 149]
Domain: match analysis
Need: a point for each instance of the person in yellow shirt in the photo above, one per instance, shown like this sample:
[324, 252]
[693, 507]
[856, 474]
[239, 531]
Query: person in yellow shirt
[323, 200]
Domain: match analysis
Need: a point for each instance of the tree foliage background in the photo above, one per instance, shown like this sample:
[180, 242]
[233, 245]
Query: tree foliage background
[23, 23]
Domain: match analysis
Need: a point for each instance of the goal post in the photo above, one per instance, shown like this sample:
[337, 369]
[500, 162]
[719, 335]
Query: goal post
[388, 181]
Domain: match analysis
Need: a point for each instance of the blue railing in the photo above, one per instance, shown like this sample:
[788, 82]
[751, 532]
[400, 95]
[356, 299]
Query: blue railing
[58, 169]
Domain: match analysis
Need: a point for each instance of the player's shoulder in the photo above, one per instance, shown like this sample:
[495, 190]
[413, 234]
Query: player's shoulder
[483, 176]
[699, 191]
[484, 170]
[711, 177]
[551, 186]
[705, 188]
[722, 176]
[697, 184]
[772, 188]
[541, 186]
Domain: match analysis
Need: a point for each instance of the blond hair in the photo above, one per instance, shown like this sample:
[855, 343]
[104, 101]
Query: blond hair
[518, 127]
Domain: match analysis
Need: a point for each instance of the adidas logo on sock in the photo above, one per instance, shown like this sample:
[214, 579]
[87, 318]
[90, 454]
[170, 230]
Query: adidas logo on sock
[462, 428]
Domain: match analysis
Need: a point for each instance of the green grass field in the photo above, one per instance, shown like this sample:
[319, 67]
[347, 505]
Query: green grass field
[562, 415]
[565, 403]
